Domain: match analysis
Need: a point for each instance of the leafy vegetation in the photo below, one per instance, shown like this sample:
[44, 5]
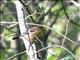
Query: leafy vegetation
[59, 24]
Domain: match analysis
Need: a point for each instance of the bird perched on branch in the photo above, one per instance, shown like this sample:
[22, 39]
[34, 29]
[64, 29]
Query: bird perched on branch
[34, 33]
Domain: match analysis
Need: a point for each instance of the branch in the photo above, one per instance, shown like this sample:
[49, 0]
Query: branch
[28, 10]
[24, 32]
[44, 13]
[75, 3]
[51, 46]
[67, 14]
[52, 29]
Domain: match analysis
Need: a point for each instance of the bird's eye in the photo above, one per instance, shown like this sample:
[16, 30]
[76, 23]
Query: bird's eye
[31, 31]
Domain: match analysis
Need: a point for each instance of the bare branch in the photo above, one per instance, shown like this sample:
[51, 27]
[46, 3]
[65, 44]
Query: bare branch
[24, 31]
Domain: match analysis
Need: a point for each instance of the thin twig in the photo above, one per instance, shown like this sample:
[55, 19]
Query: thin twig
[42, 50]
[65, 32]
[42, 44]
[75, 3]
[45, 27]
[53, 30]
[8, 22]
[64, 8]
[41, 17]
[67, 26]
[29, 2]
[16, 55]
[31, 15]
[28, 10]
[57, 46]
[39, 40]
[15, 23]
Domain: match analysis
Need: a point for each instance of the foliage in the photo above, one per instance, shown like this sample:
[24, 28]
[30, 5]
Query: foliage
[55, 16]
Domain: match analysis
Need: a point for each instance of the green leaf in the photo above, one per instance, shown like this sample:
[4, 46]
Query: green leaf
[77, 52]
[57, 51]
[52, 58]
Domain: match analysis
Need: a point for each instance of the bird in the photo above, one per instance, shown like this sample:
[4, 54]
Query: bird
[34, 32]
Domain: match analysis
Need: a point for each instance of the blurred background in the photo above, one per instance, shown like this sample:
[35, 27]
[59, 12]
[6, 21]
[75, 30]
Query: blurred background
[62, 16]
